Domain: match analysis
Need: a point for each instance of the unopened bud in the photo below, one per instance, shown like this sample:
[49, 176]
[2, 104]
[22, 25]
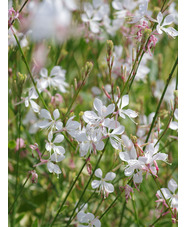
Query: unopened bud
[110, 47]
[133, 138]
[21, 77]
[118, 92]
[75, 83]
[88, 68]
[146, 35]
[106, 93]
[81, 114]
[155, 12]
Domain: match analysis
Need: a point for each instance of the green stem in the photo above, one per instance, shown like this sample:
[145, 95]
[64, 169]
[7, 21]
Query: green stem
[87, 183]
[158, 218]
[167, 126]
[158, 186]
[19, 12]
[110, 205]
[122, 213]
[71, 187]
[161, 99]
[29, 71]
[135, 211]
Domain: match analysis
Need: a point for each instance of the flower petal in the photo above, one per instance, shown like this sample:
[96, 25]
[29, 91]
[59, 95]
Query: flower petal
[59, 138]
[169, 19]
[45, 114]
[172, 185]
[108, 187]
[165, 192]
[110, 176]
[95, 184]
[56, 114]
[98, 173]
[124, 101]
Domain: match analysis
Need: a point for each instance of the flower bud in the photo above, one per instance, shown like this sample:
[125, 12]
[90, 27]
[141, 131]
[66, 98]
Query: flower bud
[146, 35]
[155, 12]
[88, 68]
[21, 77]
[110, 47]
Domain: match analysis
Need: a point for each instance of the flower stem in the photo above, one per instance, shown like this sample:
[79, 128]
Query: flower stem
[158, 218]
[135, 211]
[71, 187]
[19, 12]
[29, 71]
[161, 99]
[158, 186]
[87, 183]
[122, 213]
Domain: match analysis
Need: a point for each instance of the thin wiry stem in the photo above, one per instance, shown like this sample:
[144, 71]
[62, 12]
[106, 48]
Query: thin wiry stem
[29, 71]
[158, 218]
[69, 191]
[161, 99]
[88, 183]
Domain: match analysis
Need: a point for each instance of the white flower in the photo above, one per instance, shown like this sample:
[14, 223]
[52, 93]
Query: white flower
[58, 150]
[49, 122]
[169, 194]
[102, 184]
[29, 100]
[72, 127]
[90, 139]
[91, 117]
[88, 219]
[51, 18]
[169, 19]
[94, 14]
[174, 124]
[122, 6]
[121, 104]
[114, 139]
[56, 79]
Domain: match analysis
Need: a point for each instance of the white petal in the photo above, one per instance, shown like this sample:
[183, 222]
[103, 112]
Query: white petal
[35, 106]
[119, 130]
[159, 18]
[138, 178]
[96, 222]
[56, 114]
[124, 156]
[98, 105]
[43, 124]
[165, 192]
[50, 136]
[50, 167]
[110, 176]
[59, 138]
[44, 72]
[59, 125]
[168, 20]
[100, 145]
[173, 125]
[110, 109]
[109, 187]
[176, 114]
[117, 5]
[26, 102]
[171, 31]
[124, 101]
[130, 113]
[33, 94]
[98, 173]
[84, 18]
[172, 185]
[158, 28]
[45, 114]
[95, 184]
[94, 27]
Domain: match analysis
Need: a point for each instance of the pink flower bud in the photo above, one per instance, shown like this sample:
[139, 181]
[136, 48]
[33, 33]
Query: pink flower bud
[20, 143]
